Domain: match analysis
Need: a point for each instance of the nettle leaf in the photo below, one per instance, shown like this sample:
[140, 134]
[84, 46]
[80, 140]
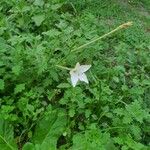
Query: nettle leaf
[2, 84]
[49, 129]
[6, 136]
[19, 88]
[38, 19]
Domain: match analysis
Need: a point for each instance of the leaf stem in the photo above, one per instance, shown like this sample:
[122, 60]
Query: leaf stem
[62, 67]
[123, 26]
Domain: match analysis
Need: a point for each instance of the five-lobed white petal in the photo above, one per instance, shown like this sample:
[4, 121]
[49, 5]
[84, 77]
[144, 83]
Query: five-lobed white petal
[74, 78]
[78, 73]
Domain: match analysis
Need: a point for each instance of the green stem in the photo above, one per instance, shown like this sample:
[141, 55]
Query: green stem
[125, 25]
[62, 67]
[111, 128]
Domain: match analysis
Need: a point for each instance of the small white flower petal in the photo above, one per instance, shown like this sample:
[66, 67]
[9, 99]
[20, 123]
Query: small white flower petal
[83, 77]
[84, 68]
[77, 73]
[74, 78]
[77, 66]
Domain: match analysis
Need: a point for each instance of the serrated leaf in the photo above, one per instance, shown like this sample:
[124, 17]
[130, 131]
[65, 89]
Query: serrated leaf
[2, 84]
[6, 136]
[38, 19]
[49, 129]
[19, 88]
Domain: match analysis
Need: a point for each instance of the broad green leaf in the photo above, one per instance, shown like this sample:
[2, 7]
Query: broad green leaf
[38, 19]
[6, 136]
[49, 129]
[31, 146]
[1, 84]
[28, 146]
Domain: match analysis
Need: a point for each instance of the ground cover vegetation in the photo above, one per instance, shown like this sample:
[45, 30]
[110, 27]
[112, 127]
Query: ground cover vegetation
[39, 107]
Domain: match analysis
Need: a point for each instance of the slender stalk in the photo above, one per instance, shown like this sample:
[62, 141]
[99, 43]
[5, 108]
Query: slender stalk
[123, 26]
[62, 67]
[111, 128]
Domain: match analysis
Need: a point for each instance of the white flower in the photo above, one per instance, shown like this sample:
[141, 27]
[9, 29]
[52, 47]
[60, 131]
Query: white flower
[78, 73]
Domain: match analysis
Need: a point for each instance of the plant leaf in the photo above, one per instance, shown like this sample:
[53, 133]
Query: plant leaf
[38, 19]
[6, 136]
[63, 85]
[1, 84]
[49, 129]
[28, 146]
[19, 88]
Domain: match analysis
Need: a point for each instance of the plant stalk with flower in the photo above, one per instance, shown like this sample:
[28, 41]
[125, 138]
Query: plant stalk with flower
[78, 73]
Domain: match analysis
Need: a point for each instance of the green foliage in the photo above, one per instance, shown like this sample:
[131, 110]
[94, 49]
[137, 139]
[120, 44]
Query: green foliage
[2, 83]
[48, 130]
[39, 108]
[7, 141]
[92, 139]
